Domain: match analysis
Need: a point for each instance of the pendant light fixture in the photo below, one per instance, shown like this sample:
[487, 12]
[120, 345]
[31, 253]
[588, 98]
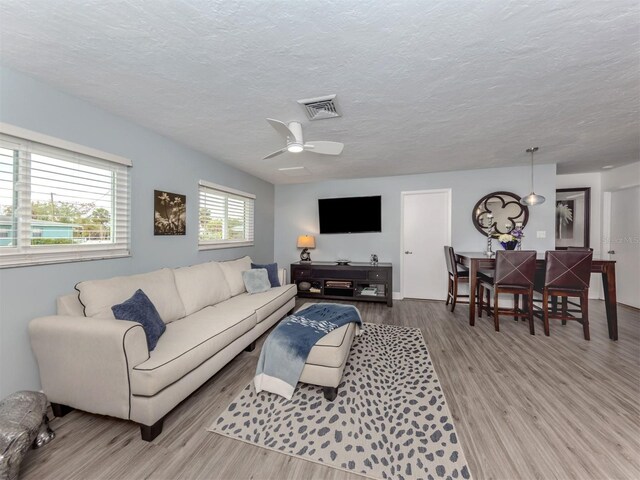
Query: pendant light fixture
[532, 199]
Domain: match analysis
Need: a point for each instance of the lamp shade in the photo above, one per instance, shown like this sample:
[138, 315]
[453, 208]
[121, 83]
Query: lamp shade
[532, 199]
[306, 241]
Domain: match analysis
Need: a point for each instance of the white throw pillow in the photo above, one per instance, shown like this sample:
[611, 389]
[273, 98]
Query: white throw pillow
[98, 296]
[233, 273]
[201, 285]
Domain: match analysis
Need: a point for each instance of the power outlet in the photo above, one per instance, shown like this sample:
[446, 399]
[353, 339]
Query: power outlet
[541, 234]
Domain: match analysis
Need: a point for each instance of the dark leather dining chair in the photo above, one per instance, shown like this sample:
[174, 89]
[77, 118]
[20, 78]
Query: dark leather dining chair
[514, 274]
[565, 301]
[456, 274]
[567, 274]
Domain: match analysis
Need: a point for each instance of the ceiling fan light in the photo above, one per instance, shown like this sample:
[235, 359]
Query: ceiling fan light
[295, 147]
[532, 199]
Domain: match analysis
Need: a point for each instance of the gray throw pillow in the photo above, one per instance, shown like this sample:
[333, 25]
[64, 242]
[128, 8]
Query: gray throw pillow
[256, 280]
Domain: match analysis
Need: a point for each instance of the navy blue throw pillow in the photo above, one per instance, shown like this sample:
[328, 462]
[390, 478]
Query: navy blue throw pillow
[272, 271]
[140, 309]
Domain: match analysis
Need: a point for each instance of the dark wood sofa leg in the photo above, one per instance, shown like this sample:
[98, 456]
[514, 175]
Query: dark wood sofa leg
[251, 347]
[330, 393]
[60, 410]
[149, 433]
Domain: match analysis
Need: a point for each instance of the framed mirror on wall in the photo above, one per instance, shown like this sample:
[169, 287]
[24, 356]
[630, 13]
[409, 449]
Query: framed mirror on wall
[500, 211]
[573, 212]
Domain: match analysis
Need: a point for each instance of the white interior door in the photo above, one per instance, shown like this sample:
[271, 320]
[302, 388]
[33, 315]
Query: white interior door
[624, 234]
[426, 228]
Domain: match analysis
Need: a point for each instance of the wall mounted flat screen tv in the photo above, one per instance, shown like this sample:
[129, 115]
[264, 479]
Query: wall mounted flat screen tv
[350, 214]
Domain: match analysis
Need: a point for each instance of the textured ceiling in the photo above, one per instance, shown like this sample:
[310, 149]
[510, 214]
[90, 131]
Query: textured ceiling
[424, 86]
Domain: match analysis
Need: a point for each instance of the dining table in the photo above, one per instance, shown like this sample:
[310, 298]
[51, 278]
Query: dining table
[476, 261]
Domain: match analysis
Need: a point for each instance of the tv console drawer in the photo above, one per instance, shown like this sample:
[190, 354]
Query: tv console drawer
[299, 273]
[377, 275]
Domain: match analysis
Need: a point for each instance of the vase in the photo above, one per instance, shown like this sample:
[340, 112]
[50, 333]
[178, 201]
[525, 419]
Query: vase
[509, 245]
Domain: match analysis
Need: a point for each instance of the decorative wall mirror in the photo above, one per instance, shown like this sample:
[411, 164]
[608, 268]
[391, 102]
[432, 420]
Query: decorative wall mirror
[572, 217]
[500, 210]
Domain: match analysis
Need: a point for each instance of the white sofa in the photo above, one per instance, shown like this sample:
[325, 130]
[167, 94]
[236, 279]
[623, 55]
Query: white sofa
[90, 361]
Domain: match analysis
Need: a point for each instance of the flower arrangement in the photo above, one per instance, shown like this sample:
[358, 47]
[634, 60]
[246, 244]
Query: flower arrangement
[518, 233]
[510, 241]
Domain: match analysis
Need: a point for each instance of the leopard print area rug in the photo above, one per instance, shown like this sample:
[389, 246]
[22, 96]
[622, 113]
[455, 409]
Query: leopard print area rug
[389, 420]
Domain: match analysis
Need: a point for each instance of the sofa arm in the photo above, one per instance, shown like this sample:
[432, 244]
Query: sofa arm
[85, 363]
[282, 276]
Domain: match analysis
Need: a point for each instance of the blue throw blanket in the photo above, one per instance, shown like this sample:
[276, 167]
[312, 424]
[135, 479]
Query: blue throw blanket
[286, 349]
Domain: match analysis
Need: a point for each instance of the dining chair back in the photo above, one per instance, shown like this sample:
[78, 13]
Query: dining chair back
[568, 269]
[567, 274]
[454, 277]
[450, 259]
[515, 267]
[554, 300]
[514, 274]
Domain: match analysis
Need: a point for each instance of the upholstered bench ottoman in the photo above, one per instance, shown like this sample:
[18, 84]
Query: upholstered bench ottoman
[327, 359]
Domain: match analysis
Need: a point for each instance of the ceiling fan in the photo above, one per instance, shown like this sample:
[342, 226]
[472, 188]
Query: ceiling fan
[295, 144]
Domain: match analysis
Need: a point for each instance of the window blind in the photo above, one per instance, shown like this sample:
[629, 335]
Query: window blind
[57, 205]
[226, 217]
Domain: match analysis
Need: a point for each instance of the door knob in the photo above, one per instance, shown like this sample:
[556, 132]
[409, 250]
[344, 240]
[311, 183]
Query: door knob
[611, 252]
[407, 252]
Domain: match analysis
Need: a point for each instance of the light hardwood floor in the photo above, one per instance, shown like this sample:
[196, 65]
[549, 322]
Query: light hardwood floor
[525, 407]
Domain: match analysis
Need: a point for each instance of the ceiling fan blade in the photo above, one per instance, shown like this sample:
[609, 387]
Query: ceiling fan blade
[275, 154]
[325, 148]
[281, 128]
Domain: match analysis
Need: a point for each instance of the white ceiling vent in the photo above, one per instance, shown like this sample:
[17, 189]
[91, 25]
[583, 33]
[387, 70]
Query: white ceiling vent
[320, 107]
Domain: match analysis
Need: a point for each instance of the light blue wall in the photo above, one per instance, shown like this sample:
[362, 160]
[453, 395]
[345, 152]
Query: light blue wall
[297, 212]
[159, 163]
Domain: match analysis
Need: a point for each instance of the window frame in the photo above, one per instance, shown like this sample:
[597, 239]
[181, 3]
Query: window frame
[25, 253]
[214, 188]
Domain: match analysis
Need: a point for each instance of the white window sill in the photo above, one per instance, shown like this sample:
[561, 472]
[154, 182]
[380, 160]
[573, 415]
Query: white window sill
[217, 246]
[32, 261]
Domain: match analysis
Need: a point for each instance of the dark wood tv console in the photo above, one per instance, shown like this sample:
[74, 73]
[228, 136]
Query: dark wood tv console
[328, 280]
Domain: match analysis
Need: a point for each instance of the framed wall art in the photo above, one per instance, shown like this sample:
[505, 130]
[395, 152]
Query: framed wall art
[572, 217]
[170, 213]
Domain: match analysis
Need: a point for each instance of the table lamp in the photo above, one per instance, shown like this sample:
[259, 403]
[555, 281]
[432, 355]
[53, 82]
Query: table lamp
[305, 242]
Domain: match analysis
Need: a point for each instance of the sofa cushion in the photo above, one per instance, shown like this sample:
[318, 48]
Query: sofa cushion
[139, 309]
[201, 285]
[256, 280]
[265, 303]
[233, 273]
[98, 296]
[187, 344]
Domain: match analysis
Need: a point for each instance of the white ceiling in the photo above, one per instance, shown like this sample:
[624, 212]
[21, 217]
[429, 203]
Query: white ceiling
[424, 86]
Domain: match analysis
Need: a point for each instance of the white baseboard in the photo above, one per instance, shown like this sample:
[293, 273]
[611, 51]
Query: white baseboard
[397, 296]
